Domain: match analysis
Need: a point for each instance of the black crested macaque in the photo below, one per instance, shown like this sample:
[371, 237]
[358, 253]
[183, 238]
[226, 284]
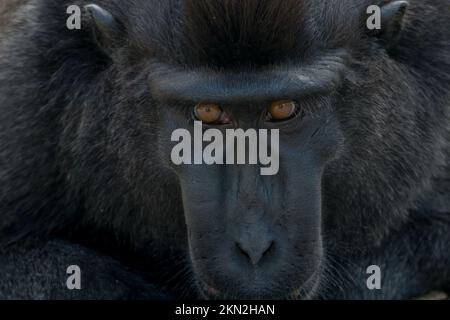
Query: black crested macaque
[86, 124]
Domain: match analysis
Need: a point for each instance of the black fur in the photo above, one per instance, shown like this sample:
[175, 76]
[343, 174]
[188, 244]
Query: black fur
[82, 179]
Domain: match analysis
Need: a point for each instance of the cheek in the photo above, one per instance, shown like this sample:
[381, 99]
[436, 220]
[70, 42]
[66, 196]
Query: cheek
[314, 143]
[172, 130]
[302, 213]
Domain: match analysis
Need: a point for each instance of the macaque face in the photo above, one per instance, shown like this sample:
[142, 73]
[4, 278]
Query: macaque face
[253, 218]
[248, 123]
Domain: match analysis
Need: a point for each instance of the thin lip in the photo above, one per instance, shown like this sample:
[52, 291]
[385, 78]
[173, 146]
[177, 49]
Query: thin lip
[305, 292]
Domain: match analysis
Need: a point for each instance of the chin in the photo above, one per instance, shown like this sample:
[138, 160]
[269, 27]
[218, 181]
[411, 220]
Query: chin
[308, 291]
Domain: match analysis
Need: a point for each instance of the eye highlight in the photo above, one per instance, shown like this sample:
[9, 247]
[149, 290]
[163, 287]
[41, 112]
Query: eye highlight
[282, 110]
[211, 113]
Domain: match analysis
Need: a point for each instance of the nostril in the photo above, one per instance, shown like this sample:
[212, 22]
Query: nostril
[243, 251]
[270, 248]
[256, 252]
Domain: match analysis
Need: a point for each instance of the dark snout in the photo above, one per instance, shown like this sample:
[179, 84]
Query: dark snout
[262, 242]
[254, 236]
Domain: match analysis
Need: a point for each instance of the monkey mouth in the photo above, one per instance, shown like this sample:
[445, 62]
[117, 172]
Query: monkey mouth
[208, 292]
[305, 292]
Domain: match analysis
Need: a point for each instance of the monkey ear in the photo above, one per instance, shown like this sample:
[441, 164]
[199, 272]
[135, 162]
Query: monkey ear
[392, 16]
[108, 31]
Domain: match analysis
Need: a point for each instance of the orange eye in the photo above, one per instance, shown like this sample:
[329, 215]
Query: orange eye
[282, 110]
[209, 113]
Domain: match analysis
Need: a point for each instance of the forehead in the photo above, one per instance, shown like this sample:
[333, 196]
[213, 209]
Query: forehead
[236, 33]
[320, 75]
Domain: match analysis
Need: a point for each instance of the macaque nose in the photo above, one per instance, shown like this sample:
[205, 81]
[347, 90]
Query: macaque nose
[255, 251]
